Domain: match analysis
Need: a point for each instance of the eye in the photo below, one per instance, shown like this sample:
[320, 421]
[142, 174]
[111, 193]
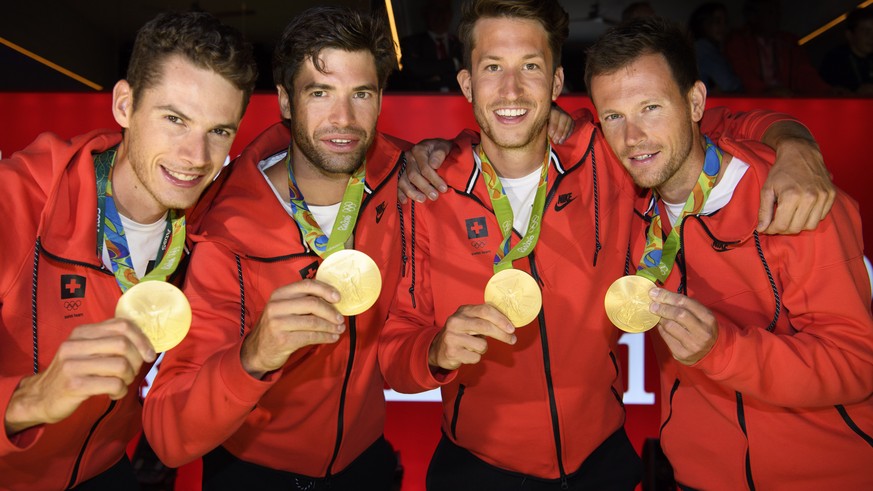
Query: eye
[611, 117]
[492, 68]
[174, 119]
[318, 93]
[362, 95]
[531, 66]
[651, 107]
[221, 132]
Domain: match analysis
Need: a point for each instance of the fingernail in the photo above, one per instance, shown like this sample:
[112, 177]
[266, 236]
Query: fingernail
[444, 188]
[341, 327]
[432, 196]
[151, 355]
[419, 198]
[654, 292]
[513, 339]
[335, 296]
[340, 319]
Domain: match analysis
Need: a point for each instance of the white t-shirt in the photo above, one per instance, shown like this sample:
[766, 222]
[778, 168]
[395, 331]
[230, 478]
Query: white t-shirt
[143, 242]
[521, 192]
[720, 195]
[325, 216]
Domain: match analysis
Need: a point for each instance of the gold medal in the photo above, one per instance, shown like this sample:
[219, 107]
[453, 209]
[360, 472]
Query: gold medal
[516, 295]
[627, 304]
[357, 278]
[159, 309]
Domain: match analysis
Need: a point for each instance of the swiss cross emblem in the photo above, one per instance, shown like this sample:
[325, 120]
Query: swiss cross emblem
[308, 272]
[72, 286]
[476, 227]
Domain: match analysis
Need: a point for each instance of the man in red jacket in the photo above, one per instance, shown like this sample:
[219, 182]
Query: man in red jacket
[539, 404]
[766, 347]
[274, 386]
[66, 364]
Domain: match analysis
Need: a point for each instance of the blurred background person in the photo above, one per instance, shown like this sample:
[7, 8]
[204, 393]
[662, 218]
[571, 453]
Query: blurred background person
[432, 58]
[849, 66]
[768, 59]
[709, 29]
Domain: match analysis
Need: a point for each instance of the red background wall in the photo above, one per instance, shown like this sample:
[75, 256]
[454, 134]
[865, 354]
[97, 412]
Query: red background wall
[840, 125]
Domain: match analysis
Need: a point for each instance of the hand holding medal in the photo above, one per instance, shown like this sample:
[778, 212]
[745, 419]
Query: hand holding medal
[353, 273]
[627, 300]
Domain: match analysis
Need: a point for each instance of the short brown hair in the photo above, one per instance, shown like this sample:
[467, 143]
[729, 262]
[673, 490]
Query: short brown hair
[199, 37]
[548, 13]
[320, 28]
[623, 44]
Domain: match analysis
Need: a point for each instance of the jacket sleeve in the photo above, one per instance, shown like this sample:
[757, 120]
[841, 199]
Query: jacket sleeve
[202, 394]
[720, 122]
[827, 358]
[406, 338]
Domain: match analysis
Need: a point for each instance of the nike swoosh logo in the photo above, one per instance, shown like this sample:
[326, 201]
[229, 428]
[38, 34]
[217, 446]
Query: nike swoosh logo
[379, 215]
[561, 206]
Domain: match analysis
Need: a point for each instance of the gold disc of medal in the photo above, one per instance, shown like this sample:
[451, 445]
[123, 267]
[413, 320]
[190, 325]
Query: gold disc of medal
[627, 304]
[516, 295]
[357, 278]
[159, 309]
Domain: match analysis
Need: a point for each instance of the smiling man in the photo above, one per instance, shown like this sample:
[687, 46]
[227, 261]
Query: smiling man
[274, 386]
[765, 341]
[531, 392]
[67, 365]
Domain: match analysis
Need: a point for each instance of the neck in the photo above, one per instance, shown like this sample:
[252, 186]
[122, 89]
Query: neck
[319, 187]
[130, 195]
[513, 163]
[679, 186]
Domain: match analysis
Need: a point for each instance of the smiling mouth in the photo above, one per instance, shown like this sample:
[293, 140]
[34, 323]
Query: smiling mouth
[510, 113]
[182, 177]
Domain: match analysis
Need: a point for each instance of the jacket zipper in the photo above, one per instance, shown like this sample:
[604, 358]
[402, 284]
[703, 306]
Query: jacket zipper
[75, 474]
[461, 389]
[547, 369]
[340, 420]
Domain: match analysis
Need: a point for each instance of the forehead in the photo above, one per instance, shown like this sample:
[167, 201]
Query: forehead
[194, 89]
[645, 76]
[338, 67]
[509, 35]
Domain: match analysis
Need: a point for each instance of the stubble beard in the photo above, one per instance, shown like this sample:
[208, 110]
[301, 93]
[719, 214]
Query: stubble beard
[325, 161]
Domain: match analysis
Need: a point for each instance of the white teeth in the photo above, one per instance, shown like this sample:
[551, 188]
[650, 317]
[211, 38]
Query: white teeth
[511, 113]
[341, 142]
[642, 157]
[182, 177]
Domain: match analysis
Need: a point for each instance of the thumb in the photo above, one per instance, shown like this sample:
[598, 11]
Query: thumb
[765, 212]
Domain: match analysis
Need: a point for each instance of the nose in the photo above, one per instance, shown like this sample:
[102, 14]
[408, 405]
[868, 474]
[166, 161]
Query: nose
[195, 149]
[341, 113]
[510, 87]
[633, 133]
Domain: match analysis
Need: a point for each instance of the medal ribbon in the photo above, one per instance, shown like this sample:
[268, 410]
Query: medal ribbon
[659, 255]
[503, 210]
[346, 217]
[111, 232]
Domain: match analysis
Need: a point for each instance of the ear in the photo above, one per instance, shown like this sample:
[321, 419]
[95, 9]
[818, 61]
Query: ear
[557, 83]
[122, 103]
[284, 102]
[697, 100]
[466, 83]
[379, 111]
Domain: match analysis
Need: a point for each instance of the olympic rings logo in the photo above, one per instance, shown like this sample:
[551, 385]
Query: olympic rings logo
[478, 244]
[71, 305]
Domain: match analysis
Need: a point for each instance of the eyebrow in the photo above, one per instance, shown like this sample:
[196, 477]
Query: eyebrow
[224, 126]
[319, 86]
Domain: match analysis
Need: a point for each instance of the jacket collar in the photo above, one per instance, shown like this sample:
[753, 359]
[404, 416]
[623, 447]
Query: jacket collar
[461, 173]
[68, 225]
[243, 212]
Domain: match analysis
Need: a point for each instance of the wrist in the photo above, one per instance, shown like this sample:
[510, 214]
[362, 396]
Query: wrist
[22, 411]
